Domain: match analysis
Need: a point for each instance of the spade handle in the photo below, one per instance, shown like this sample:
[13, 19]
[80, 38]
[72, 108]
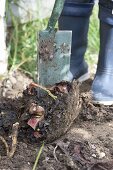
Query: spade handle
[57, 9]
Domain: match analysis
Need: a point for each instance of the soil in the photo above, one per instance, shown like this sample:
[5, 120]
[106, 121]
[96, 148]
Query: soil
[78, 134]
[46, 46]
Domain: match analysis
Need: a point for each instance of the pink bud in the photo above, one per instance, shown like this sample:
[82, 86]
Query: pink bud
[33, 122]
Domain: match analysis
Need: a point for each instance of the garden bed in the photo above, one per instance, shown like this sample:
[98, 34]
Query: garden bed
[77, 134]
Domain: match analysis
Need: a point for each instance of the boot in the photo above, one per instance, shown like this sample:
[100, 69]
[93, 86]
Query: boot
[102, 87]
[75, 17]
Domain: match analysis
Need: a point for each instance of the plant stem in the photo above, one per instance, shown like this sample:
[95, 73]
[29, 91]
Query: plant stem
[38, 156]
[43, 88]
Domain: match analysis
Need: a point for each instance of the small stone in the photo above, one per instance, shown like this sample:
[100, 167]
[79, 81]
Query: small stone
[47, 158]
[93, 146]
[101, 138]
[13, 80]
[101, 155]
[89, 117]
[94, 155]
[8, 84]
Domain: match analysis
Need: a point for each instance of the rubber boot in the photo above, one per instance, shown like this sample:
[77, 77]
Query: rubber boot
[102, 87]
[75, 17]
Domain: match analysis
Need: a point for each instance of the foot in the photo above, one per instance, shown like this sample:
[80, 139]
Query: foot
[102, 89]
[79, 72]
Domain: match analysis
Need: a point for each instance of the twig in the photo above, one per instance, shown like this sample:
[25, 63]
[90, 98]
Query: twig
[6, 145]
[43, 88]
[68, 158]
[54, 154]
[38, 156]
[14, 139]
[102, 167]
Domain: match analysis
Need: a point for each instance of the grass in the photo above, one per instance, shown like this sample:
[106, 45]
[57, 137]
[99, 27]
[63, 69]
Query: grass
[38, 157]
[23, 44]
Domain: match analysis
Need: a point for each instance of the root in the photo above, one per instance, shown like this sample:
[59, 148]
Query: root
[14, 139]
[5, 144]
[43, 88]
[54, 154]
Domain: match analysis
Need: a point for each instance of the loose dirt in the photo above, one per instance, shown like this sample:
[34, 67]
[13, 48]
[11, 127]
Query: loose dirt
[78, 134]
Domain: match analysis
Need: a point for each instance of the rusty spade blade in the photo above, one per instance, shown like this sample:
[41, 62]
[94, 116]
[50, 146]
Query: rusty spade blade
[54, 50]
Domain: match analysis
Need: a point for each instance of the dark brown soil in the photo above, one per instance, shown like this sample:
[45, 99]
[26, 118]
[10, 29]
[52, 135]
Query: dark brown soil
[87, 145]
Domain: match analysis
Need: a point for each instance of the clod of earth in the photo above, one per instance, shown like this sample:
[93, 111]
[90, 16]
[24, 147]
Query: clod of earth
[49, 115]
[52, 118]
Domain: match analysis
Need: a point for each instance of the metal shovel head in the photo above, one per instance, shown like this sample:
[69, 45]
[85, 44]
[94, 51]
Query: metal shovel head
[54, 56]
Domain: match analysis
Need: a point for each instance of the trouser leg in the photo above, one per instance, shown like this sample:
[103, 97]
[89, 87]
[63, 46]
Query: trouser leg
[75, 16]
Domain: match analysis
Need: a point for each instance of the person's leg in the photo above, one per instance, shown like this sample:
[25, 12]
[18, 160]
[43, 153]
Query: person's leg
[102, 87]
[75, 17]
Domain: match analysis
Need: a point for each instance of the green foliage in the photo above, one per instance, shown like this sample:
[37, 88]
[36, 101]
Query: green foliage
[23, 45]
[93, 38]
